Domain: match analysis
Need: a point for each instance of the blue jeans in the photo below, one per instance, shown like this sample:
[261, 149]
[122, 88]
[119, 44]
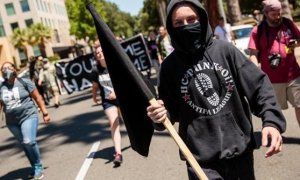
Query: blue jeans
[26, 135]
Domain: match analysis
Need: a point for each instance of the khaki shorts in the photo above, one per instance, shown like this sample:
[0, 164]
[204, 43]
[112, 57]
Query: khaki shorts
[288, 92]
[55, 90]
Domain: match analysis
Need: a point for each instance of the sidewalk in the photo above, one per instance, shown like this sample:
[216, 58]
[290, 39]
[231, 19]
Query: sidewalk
[297, 54]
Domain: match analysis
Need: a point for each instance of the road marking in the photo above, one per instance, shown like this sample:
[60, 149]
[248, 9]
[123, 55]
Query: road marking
[87, 162]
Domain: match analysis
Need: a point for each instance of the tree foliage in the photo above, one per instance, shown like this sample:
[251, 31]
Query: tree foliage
[40, 33]
[149, 16]
[81, 21]
[19, 38]
[82, 24]
[121, 23]
[37, 34]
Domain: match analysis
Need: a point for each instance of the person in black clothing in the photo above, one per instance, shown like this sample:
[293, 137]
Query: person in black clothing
[153, 48]
[101, 80]
[211, 89]
[34, 69]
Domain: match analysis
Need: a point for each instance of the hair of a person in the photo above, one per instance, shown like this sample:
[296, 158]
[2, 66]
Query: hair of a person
[97, 43]
[8, 62]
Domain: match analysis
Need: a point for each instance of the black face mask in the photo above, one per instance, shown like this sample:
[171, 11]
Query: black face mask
[189, 37]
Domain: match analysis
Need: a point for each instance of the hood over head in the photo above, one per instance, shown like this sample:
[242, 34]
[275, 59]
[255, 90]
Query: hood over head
[206, 32]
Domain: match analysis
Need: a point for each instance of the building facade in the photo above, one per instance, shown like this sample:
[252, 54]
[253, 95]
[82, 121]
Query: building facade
[23, 13]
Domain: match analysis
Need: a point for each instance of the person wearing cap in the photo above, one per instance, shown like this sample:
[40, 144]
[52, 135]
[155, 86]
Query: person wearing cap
[212, 89]
[272, 45]
[47, 76]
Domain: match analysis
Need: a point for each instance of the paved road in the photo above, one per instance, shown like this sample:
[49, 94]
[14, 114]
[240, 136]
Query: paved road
[77, 144]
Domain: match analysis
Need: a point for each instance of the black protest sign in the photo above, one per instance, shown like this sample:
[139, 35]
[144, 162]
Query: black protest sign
[76, 74]
[136, 49]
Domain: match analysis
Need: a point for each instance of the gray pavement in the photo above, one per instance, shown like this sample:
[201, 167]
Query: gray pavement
[297, 54]
[78, 125]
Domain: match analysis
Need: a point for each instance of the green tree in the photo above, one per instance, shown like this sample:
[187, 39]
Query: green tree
[121, 23]
[40, 35]
[149, 16]
[82, 24]
[20, 40]
[81, 21]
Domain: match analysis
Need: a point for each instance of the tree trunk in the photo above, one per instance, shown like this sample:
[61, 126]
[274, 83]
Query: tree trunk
[213, 13]
[162, 8]
[234, 12]
[286, 12]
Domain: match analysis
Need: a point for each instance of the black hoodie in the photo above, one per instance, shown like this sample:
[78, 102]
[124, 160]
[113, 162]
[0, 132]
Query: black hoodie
[213, 93]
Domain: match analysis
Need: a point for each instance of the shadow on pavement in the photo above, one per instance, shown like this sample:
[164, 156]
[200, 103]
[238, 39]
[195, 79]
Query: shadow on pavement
[87, 127]
[17, 174]
[291, 140]
[77, 98]
[286, 140]
[107, 153]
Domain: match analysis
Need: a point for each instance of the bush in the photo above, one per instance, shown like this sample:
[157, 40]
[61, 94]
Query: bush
[54, 58]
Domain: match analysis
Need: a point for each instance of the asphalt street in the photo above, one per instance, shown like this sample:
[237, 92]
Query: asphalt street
[77, 145]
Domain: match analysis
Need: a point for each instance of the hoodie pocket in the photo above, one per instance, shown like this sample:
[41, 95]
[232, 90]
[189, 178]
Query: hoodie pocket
[216, 137]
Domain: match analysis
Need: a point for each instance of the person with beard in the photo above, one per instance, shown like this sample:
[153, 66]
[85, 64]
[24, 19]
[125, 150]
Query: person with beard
[272, 45]
[18, 97]
[211, 89]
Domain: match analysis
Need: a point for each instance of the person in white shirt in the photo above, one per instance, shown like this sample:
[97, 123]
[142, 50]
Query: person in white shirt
[223, 31]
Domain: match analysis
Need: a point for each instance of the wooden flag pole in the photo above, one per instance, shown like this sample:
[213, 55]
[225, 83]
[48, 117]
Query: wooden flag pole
[186, 152]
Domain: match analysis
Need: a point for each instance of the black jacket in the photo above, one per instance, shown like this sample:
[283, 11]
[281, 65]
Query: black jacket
[212, 94]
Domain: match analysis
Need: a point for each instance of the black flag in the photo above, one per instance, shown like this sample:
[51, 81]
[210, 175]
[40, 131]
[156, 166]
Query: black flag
[133, 91]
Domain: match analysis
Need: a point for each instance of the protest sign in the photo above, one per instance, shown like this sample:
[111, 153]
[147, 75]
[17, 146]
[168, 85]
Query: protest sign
[136, 49]
[75, 74]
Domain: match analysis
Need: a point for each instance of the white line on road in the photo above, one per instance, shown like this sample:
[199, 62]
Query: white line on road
[88, 161]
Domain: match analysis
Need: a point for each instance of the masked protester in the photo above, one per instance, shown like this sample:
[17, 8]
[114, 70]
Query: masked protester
[17, 97]
[47, 75]
[211, 88]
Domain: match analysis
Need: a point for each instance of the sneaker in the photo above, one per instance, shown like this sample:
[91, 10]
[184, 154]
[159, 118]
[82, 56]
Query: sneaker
[118, 159]
[38, 172]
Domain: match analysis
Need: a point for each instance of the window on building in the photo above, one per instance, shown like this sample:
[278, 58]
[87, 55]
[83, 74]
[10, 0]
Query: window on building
[10, 10]
[42, 5]
[24, 5]
[45, 5]
[14, 26]
[2, 31]
[22, 54]
[28, 22]
[56, 35]
[49, 8]
[38, 4]
[36, 50]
